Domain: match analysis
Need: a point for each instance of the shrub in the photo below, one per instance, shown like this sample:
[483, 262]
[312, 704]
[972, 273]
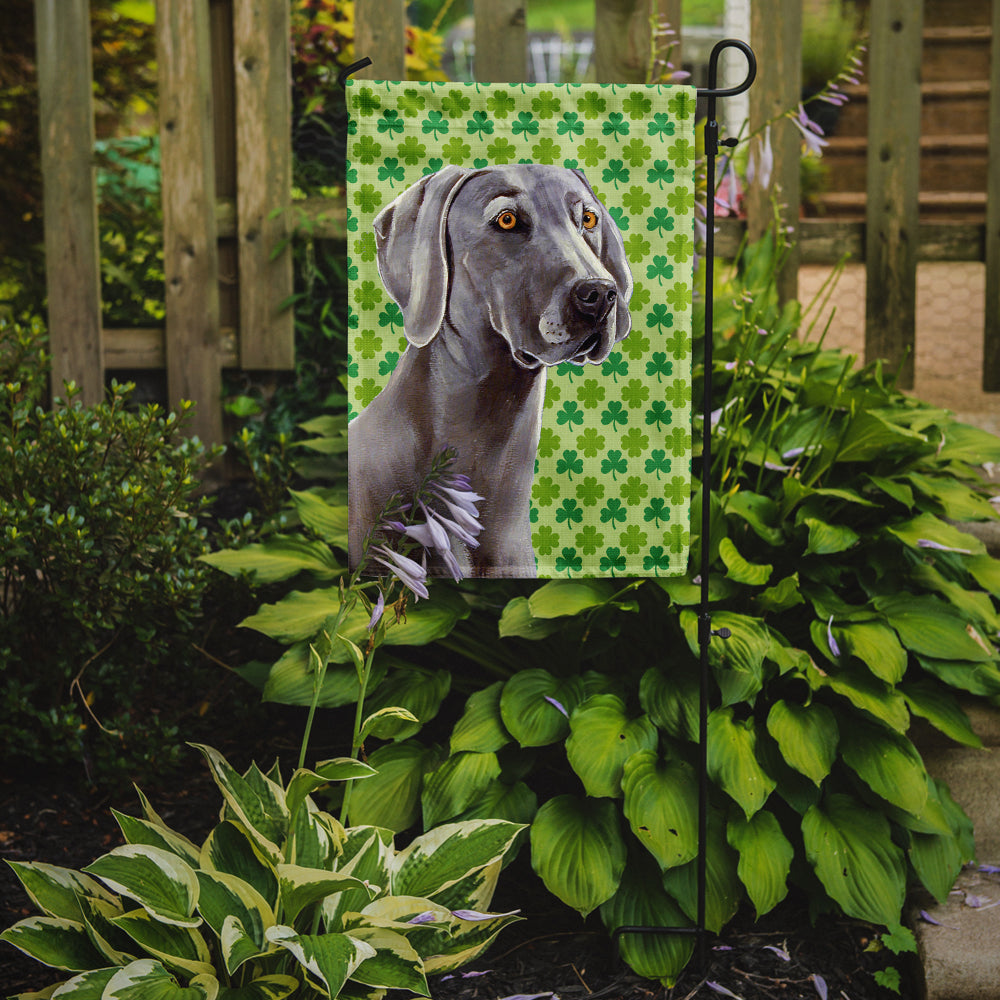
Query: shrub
[99, 539]
[279, 900]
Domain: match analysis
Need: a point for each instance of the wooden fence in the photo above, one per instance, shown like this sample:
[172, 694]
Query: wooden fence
[226, 161]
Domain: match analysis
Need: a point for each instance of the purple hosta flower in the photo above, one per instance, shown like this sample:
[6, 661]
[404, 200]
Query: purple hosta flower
[475, 915]
[811, 132]
[780, 952]
[989, 869]
[377, 611]
[820, 984]
[927, 543]
[728, 194]
[427, 917]
[411, 574]
[719, 988]
[558, 705]
[465, 975]
[834, 648]
[760, 166]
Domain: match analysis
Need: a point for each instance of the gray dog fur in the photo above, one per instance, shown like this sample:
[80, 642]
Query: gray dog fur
[485, 311]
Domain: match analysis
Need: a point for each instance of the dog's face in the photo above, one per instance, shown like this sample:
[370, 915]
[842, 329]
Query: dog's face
[525, 251]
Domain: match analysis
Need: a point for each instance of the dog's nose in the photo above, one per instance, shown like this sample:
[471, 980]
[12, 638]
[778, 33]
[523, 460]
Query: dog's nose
[594, 297]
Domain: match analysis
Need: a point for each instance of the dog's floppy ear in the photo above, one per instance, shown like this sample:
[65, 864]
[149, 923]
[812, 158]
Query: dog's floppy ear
[613, 258]
[410, 236]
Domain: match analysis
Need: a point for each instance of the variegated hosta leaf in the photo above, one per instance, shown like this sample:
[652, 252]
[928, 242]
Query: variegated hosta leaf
[230, 849]
[395, 964]
[158, 880]
[602, 737]
[578, 851]
[850, 847]
[732, 760]
[441, 857]
[481, 727]
[642, 902]
[304, 782]
[468, 939]
[275, 987]
[238, 945]
[256, 801]
[807, 736]
[54, 941]
[56, 891]
[765, 858]
[86, 986]
[367, 853]
[456, 784]
[149, 980]
[329, 959]
[141, 831]
[116, 946]
[476, 890]
[225, 897]
[177, 947]
[315, 838]
[300, 887]
[661, 799]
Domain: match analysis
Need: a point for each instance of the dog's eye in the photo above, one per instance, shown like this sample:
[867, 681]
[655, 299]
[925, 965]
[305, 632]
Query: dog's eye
[507, 221]
[589, 219]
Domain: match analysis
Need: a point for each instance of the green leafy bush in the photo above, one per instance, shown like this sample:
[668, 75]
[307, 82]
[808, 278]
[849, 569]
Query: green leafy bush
[280, 899]
[101, 587]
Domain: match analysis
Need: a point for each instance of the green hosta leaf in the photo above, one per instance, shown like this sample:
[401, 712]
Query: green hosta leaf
[391, 798]
[976, 678]
[56, 891]
[828, 539]
[456, 784]
[367, 853]
[738, 661]
[741, 571]
[928, 528]
[870, 436]
[292, 680]
[416, 689]
[279, 558]
[325, 519]
[732, 760]
[230, 849]
[147, 979]
[301, 887]
[395, 964]
[260, 809]
[330, 959]
[558, 598]
[957, 501]
[274, 987]
[671, 700]
[876, 646]
[864, 692]
[238, 944]
[723, 889]
[481, 728]
[386, 723]
[160, 882]
[965, 443]
[685, 592]
[527, 711]
[641, 901]
[807, 736]
[98, 916]
[850, 847]
[441, 857]
[517, 620]
[180, 948]
[941, 709]
[54, 941]
[515, 803]
[888, 763]
[986, 572]
[578, 851]
[758, 511]
[141, 831]
[765, 858]
[661, 798]
[225, 897]
[937, 859]
[783, 595]
[893, 488]
[976, 605]
[602, 738]
[931, 628]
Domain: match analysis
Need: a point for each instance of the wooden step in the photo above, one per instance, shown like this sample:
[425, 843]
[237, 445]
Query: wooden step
[947, 106]
[956, 53]
[957, 206]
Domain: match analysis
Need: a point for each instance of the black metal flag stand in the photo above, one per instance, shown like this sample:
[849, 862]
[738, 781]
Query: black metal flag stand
[705, 631]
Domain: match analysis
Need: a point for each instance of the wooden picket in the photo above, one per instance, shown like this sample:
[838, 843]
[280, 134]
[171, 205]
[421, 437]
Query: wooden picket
[226, 160]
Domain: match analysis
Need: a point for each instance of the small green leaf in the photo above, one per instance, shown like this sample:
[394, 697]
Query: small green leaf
[481, 727]
[732, 760]
[741, 571]
[888, 763]
[535, 706]
[517, 620]
[828, 539]
[56, 891]
[765, 858]
[180, 948]
[671, 701]
[327, 520]
[660, 805]
[559, 598]
[932, 628]
[936, 704]
[279, 558]
[807, 736]
[301, 887]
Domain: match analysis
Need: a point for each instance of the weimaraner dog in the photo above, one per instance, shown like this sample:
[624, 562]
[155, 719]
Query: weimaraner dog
[500, 273]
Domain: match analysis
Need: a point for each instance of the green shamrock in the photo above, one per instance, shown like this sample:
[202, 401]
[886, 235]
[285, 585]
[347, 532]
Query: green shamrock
[480, 124]
[637, 106]
[635, 442]
[591, 105]
[660, 317]
[544, 540]
[678, 393]
[569, 464]
[613, 512]
[591, 393]
[570, 414]
[590, 491]
[548, 442]
[546, 105]
[657, 511]
[637, 199]
[621, 219]
[570, 512]
[388, 364]
[368, 295]
[365, 247]
[502, 150]
[636, 248]
[367, 150]
[658, 462]
[656, 560]
[613, 560]
[676, 538]
[589, 540]
[390, 317]
[590, 442]
[680, 200]
[678, 442]
[525, 124]
[568, 561]
[661, 126]
[634, 490]
[544, 491]
[661, 221]
[635, 393]
[636, 152]
[545, 151]
[455, 151]
[591, 152]
[660, 269]
[614, 172]
[615, 125]
[391, 122]
[632, 539]
[367, 198]
[455, 104]
[570, 124]
[678, 296]
[500, 104]
[411, 103]
[615, 414]
[635, 345]
[659, 366]
[366, 390]
[391, 171]
[681, 105]
[678, 343]
[435, 122]
[614, 366]
[366, 102]
[640, 295]
[683, 152]
[614, 463]
[411, 150]
[660, 173]
[659, 414]
[368, 344]
[676, 491]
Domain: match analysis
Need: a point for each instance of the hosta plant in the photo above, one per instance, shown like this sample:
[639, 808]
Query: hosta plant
[279, 900]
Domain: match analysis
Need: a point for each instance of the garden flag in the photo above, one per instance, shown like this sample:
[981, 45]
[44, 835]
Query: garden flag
[521, 265]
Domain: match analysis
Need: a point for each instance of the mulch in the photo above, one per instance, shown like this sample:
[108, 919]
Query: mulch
[551, 953]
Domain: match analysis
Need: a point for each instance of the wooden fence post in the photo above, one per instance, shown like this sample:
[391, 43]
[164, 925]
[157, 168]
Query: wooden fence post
[991, 333]
[623, 37]
[72, 255]
[262, 60]
[190, 251]
[501, 41]
[893, 183]
[380, 34]
[776, 35]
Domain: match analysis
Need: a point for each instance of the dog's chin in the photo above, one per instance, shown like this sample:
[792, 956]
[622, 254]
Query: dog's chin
[590, 350]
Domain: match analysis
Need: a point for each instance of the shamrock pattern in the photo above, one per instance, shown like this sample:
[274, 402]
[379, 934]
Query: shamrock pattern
[612, 485]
